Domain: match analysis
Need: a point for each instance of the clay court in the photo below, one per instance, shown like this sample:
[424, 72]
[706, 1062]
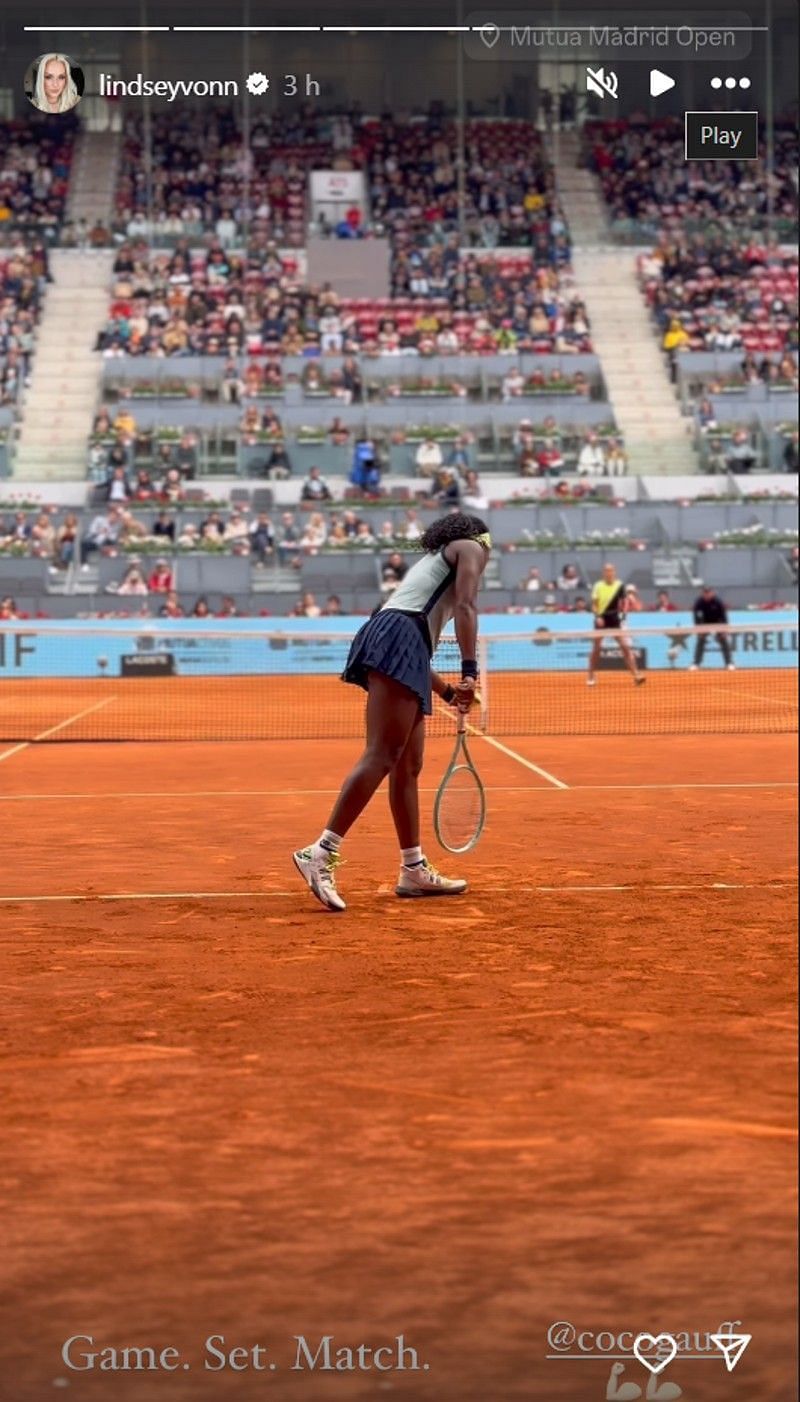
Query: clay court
[566, 1096]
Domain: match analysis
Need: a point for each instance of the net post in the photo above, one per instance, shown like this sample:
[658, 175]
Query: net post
[483, 667]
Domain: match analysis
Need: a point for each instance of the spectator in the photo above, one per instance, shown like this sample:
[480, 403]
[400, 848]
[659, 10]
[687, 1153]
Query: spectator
[237, 531]
[65, 541]
[227, 608]
[569, 579]
[133, 581]
[143, 487]
[43, 536]
[664, 603]
[116, 486]
[8, 608]
[364, 460]
[706, 416]
[592, 459]
[458, 457]
[315, 534]
[550, 459]
[103, 533]
[675, 341]
[411, 528]
[164, 526]
[330, 331]
[532, 581]
[171, 607]
[315, 488]
[791, 460]
[352, 383]
[393, 571]
[633, 603]
[581, 604]
[512, 384]
[186, 457]
[363, 536]
[278, 465]
[616, 459]
[333, 607]
[339, 433]
[165, 460]
[201, 608]
[289, 541]
[262, 538]
[189, 538]
[428, 458]
[171, 488]
[307, 607]
[231, 386]
[472, 496]
[125, 424]
[213, 527]
[161, 579]
[445, 488]
[350, 524]
[740, 456]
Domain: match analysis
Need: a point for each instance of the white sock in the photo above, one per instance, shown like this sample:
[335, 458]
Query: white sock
[411, 856]
[329, 841]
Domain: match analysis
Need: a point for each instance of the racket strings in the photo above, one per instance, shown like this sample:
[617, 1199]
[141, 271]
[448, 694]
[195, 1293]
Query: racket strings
[460, 810]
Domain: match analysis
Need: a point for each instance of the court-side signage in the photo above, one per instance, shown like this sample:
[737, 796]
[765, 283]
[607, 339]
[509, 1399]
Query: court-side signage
[184, 647]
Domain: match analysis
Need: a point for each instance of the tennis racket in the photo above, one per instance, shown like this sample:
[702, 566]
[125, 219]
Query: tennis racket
[459, 811]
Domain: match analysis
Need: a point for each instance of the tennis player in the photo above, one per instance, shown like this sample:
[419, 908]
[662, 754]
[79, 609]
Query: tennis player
[390, 657]
[610, 605]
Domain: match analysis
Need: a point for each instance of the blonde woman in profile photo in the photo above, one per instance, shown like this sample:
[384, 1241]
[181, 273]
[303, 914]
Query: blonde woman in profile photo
[55, 90]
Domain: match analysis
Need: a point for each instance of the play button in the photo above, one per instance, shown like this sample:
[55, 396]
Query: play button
[660, 82]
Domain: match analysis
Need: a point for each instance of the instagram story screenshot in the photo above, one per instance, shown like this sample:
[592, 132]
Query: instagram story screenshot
[398, 701]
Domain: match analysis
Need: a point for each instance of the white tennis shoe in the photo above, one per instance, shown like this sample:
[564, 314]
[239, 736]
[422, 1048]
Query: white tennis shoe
[425, 880]
[318, 868]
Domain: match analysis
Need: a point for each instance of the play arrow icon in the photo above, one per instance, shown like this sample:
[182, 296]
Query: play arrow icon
[732, 1345]
[660, 82]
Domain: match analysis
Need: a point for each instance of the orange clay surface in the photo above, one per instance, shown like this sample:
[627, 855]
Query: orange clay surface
[229, 1113]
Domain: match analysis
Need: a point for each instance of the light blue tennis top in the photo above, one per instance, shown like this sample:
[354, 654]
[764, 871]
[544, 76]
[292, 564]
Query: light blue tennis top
[427, 589]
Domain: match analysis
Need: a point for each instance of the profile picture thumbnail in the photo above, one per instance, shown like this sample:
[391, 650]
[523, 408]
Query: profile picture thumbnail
[54, 83]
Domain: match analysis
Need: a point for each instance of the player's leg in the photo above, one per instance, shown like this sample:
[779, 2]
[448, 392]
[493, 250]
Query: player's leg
[392, 711]
[404, 787]
[417, 876]
[630, 661]
[594, 658]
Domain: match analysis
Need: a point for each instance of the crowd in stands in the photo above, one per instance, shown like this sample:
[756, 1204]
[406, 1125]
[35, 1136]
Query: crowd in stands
[213, 301]
[645, 177]
[201, 183]
[35, 160]
[707, 293]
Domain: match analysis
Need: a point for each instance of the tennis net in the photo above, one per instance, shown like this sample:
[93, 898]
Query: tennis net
[182, 680]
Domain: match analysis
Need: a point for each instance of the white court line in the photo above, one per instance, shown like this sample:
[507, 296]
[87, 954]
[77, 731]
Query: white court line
[512, 754]
[304, 793]
[54, 729]
[100, 896]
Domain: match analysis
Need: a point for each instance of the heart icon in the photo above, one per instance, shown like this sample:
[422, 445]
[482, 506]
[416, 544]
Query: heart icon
[663, 1344]
[490, 34]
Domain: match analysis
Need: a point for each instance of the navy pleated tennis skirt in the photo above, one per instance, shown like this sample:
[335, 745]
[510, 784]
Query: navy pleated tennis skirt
[393, 643]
